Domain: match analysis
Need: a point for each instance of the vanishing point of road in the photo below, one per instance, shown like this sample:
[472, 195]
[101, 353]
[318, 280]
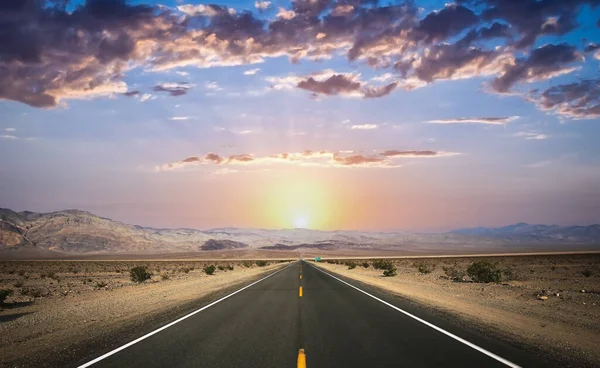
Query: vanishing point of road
[301, 316]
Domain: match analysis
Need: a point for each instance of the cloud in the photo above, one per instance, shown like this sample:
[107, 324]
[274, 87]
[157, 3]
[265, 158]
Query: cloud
[213, 86]
[531, 136]
[578, 100]
[179, 118]
[131, 93]
[476, 120]
[85, 49]
[10, 129]
[251, 71]
[543, 63]
[262, 5]
[8, 137]
[364, 127]
[309, 158]
[174, 89]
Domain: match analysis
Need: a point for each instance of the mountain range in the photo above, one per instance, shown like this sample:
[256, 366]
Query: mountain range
[80, 232]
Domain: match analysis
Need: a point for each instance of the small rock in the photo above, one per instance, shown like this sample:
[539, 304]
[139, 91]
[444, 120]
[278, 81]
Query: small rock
[542, 297]
[556, 294]
[582, 290]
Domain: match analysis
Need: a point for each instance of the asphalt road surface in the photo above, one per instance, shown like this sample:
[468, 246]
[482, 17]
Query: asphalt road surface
[300, 307]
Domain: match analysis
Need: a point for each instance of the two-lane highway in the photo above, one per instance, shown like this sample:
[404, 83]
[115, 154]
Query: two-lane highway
[302, 315]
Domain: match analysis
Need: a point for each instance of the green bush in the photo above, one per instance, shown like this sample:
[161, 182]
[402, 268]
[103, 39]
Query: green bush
[365, 264]
[381, 264]
[454, 272]
[484, 271]
[101, 284]
[390, 272]
[261, 263]
[425, 267]
[139, 274]
[230, 267]
[209, 270]
[247, 264]
[221, 268]
[351, 265]
[5, 293]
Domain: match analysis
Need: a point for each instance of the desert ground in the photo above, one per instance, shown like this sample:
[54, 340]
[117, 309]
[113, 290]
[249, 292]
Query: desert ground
[62, 311]
[549, 303]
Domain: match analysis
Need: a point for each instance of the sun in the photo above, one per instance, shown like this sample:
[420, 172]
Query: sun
[301, 222]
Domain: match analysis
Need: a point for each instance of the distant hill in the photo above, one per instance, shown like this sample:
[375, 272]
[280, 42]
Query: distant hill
[80, 232]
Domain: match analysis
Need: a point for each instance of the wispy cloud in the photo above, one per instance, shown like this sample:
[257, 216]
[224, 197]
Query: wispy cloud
[174, 89]
[8, 137]
[251, 71]
[364, 127]
[322, 158]
[531, 135]
[262, 5]
[179, 118]
[10, 129]
[476, 120]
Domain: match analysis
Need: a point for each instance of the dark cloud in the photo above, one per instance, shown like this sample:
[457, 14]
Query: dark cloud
[334, 85]
[214, 158]
[439, 25]
[174, 89]
[533, 18]
[131, 93]
[50, 51]
[591, 47]
[543, 63]
[240, 158]
[579, 100]
[191, 159]
[356, 160]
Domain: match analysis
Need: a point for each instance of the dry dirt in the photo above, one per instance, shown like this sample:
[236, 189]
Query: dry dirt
[565, 325]
[61, 311]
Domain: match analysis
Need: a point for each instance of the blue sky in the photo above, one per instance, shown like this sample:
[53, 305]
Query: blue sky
[70, 137]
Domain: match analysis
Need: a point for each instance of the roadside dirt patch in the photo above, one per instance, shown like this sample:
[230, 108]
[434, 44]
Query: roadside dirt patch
[59, 306]
[552, 302]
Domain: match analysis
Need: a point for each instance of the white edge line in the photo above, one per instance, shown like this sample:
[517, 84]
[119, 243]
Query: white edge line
[449, 334]
[102, 357]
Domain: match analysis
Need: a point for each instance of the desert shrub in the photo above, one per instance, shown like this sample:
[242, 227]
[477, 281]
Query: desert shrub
[185, 270]
[33, 292]
[484, 271]
[221, 268]
[351, 265]
[381, 264]
[424, 267]
[261, 263]
[365, 264]
[390, 270]
[51, 275]
[509, 274]
[209, 270]
[247, 264]
[230, 267]
[454, 272]
[18, 284]
[139, 274]
[586, 273]
[21, 272]
[101, 284]
[164, 276]
[4, 293]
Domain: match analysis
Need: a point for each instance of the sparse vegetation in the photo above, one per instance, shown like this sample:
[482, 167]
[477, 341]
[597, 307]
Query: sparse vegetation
[381, 264]
[221, 268]
[425, 267]
[484, 271]
[101, 284]
[586, 273]
[247, 264]
[351, 265]
[261, 263]
[139, 274]
[366, 264]
[454, 272]
[230, 267]
[33, 292]
[185, 270]
[5, 293]
[164, 276]
[390, 270]
[18, 284]
[209, 270]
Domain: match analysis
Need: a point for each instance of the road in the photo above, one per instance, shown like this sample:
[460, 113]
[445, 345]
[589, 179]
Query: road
[336, 325]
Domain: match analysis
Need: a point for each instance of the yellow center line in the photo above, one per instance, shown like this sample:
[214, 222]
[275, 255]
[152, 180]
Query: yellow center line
[301, 359]
[300, 277]
[300, 292]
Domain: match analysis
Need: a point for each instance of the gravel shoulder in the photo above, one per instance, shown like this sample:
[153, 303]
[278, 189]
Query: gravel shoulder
[70, 320]
[547, 306]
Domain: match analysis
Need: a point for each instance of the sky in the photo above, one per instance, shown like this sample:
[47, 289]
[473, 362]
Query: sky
[325, 114]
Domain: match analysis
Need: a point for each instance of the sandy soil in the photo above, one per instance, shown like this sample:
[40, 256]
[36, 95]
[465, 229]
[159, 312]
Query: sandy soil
[566, 324]
[62, 310]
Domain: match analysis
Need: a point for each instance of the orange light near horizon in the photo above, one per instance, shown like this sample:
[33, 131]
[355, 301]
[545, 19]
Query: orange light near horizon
[293, 202]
